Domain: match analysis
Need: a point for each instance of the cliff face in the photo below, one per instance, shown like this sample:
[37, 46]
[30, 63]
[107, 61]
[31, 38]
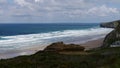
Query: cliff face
[113, 36]
[113, 24]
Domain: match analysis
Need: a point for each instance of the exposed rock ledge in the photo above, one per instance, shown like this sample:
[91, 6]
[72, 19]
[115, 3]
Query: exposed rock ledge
[60, 46]
[113, 36]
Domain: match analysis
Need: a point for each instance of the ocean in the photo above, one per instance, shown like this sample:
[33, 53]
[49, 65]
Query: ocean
[19, 36]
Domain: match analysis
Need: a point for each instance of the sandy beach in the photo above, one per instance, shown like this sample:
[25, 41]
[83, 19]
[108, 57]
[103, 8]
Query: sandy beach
[24, 51]
[93, 44]
[31, 50]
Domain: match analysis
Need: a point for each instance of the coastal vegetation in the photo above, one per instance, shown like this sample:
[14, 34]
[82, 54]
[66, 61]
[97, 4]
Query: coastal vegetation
[96, 58]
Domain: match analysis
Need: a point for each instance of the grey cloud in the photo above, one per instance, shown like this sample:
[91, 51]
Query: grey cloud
[56, 10]
[22, 15]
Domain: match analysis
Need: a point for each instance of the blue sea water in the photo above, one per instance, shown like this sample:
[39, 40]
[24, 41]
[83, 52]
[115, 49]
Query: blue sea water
[19, 36]
[22, 29]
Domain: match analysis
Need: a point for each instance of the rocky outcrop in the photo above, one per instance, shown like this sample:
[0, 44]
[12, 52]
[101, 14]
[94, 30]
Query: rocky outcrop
[113, 24]
[60, 46]
[113, 36]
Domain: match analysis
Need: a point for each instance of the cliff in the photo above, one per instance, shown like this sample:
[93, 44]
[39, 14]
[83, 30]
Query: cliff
[113, 24]
[114, 36]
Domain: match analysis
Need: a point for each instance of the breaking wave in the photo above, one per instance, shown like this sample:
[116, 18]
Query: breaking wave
[20, 41]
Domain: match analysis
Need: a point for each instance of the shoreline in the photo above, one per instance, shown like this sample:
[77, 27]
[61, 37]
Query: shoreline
[31, 50]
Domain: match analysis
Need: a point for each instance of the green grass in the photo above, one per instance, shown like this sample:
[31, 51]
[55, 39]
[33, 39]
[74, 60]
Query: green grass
[102, 58]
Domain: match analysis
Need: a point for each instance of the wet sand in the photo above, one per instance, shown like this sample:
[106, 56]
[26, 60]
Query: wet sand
[33, 49]
[24, 51]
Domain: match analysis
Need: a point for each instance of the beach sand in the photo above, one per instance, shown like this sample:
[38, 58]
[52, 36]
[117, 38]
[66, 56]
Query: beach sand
[31, 50]
[24, 51]
[93, 44]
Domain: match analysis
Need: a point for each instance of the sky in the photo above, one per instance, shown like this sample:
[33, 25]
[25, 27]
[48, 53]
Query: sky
[59, 11]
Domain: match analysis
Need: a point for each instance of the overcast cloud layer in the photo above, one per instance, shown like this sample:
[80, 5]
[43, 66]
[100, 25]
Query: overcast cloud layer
[52, 11]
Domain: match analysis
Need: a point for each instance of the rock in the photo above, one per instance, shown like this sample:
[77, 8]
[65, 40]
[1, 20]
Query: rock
[109, 39]
[60, 46]
[113, 24]
[113, 36]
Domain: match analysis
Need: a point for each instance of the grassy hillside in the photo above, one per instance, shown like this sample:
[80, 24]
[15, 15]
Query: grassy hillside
[104, 58]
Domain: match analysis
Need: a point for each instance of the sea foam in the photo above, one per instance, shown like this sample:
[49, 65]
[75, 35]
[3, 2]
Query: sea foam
[21, 41]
